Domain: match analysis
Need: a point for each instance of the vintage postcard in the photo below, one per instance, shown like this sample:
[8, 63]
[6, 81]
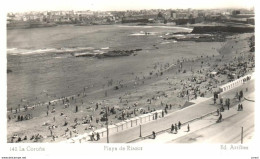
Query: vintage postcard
[128, 77]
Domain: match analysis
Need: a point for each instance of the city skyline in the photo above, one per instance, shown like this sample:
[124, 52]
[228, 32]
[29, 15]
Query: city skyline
[116, 5]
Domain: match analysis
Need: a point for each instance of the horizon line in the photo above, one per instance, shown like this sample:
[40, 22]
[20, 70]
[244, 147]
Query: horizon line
[116, 10]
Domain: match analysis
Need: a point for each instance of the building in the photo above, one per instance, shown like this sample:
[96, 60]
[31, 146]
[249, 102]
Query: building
[139, 18]
[235, 12]
[173, 14]
[251, 20]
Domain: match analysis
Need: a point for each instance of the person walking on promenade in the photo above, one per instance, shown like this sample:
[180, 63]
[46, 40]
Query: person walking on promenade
[228, 103]
[222, 109]
[239, 107]
[176, 128]
[172, 128]
[220, 118]
[241, 93]
[154, 135]
[179, 125]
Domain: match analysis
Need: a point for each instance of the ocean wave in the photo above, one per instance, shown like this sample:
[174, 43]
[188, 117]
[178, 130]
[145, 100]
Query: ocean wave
[11, 49]
[142, 33]
[16, 51]
[104, 48]
[168, 42]
[149, 26]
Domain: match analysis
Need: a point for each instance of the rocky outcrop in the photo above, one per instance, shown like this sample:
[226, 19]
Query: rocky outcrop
[230, 29]
[113, 53]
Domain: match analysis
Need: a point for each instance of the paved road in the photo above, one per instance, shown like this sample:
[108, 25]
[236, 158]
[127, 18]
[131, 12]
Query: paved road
[228, 131]
[183, 115]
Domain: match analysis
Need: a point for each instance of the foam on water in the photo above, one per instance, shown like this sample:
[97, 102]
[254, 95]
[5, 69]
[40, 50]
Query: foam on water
[142, 33]
[16, 51]
[168, 27]
[104, 48]
[168, 42]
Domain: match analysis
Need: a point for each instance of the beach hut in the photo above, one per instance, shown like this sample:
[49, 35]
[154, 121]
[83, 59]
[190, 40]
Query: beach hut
[150, 116]
[121, 126]
[134, 121]
[128, 123]
[112, 129]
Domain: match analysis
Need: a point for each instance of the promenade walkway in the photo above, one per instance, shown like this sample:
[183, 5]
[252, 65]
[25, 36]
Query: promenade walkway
[183, 115]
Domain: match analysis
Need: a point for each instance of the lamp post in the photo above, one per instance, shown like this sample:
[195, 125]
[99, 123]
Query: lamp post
[242, 135]
[140, 130]
[107, 124]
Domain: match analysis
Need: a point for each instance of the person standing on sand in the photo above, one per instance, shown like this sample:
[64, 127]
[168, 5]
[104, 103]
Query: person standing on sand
[188, 128]
[77, 108]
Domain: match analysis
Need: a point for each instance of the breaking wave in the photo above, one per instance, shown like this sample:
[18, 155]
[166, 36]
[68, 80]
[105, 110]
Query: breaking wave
[168, 27]
[16, 51]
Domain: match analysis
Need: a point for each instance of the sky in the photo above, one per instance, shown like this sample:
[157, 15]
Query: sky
[108, 5]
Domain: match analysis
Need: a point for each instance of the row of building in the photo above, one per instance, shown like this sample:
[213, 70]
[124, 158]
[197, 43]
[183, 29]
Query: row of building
[180, 16]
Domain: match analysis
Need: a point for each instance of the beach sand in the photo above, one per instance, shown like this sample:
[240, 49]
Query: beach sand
[165, 88]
